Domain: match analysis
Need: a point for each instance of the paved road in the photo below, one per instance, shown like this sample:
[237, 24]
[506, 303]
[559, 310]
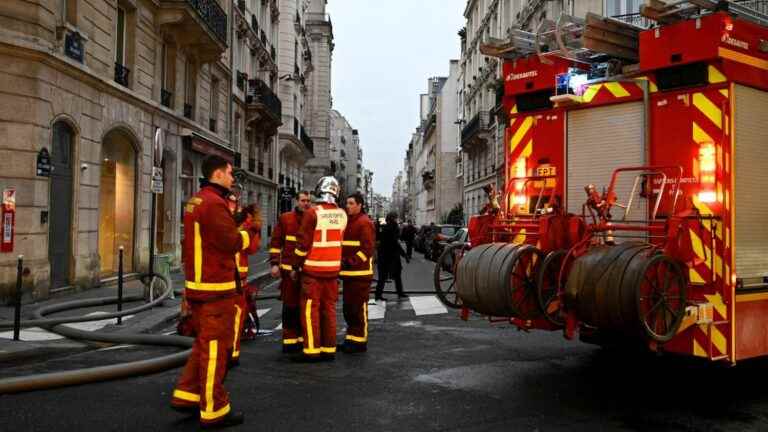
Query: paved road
[426, 370]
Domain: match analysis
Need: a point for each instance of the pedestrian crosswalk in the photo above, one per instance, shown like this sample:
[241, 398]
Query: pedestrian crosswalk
[377, 311]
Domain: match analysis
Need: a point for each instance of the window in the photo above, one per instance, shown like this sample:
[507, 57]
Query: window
[622, 7]
[69, 11]
[214, 115]
[190, 87]
[237, 133]
[120, 37]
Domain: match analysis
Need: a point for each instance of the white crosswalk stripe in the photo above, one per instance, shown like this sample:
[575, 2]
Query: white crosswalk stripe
[427, 305]
[377, 310]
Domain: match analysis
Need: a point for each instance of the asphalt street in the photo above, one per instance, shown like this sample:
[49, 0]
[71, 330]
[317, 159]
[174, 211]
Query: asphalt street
[426, 370]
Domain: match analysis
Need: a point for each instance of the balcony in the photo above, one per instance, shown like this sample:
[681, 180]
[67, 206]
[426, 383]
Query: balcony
[195, 24]
[264, 106]
[189, 111]
[121, 74]
[635, 19]
[476, 130]
[307, 141]
[166, 98]
[251, 164]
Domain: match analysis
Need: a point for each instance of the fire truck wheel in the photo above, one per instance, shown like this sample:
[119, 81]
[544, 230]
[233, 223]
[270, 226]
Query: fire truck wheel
[661, 297]
[445, 275]
[548, 286]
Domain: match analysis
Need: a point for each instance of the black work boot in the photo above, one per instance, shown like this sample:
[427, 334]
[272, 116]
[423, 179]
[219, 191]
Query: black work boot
[231, 419]
[353, 347]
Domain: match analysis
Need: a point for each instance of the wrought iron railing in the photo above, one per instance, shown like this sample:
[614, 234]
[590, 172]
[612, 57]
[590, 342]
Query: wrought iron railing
[635, 19]
[478, 123]
[214, 17]
[121, 74]
[260, 93]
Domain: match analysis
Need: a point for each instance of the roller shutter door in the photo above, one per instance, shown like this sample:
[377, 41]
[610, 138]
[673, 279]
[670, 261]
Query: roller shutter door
[599, 141]
[750, 198]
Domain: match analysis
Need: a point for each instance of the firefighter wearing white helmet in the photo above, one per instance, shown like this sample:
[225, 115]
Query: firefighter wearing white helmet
[318, 252]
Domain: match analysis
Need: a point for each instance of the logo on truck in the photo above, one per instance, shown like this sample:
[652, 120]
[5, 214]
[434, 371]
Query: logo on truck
[522, 75]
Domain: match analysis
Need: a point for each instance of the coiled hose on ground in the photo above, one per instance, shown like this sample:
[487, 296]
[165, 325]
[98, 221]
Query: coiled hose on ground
[101, 373]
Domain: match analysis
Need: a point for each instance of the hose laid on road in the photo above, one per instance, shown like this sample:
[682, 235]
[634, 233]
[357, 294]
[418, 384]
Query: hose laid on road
[101, 373]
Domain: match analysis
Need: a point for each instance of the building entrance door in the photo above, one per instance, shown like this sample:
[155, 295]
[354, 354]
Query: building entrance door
[60, 226]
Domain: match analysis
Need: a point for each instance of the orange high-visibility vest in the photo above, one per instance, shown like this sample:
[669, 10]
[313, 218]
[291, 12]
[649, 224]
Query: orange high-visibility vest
[325, 256]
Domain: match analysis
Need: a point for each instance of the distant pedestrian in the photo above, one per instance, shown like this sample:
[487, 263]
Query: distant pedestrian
[390, 252]
[408, 235]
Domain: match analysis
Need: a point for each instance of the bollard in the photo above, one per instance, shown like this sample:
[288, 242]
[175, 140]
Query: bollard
[17, 303]
[120, 286]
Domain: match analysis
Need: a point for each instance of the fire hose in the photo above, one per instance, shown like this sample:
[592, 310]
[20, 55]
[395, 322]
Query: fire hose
[101, 373]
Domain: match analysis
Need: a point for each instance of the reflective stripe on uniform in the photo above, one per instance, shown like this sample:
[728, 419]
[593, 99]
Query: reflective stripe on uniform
[186, 396]
[210, 286]
[238, 313]
[300, 253]
[239, 268]
[275, 251]
[362, 255]
[322, 263]
[326, 244]
[286, 267]
[308, 323]
[246, 239]
[368, 272]
[213, 415]
[328, 350]
[198, 254]
[290, 341]
[364, 338]
[290, 238]
[213, 354]
[350, 243]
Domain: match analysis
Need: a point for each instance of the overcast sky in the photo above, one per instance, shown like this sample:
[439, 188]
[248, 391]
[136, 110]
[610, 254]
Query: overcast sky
[385, 51]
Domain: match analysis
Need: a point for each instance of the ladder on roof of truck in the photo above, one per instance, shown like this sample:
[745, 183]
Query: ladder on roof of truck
[669, 12]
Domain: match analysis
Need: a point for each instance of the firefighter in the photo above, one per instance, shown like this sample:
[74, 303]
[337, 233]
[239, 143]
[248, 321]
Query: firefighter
[211, 239]
[246, 219]
[318, 252]
[357, 273]
[282, 258]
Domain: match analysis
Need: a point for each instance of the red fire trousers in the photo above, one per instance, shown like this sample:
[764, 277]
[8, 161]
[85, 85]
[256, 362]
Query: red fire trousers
[289, 294]
[201, 381]
[318, 314]
[241, 311]
[355, 295]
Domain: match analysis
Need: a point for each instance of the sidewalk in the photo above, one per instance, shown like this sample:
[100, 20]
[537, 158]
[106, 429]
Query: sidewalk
[38, 343]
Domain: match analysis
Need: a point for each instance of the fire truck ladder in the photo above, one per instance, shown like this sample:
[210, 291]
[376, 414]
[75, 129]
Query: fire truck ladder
[751, 10]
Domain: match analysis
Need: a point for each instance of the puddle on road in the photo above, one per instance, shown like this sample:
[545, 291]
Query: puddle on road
[491, 378]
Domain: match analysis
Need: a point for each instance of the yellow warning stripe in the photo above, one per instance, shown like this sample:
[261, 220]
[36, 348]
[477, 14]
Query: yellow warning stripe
[715, 76]
[616, 89]
[743, 58]
[695, 277]
[520, 133]
[698, 351]
[652, 88]
[591, 92]
[186, 396]
[699, 136]
[520, 237]
[723, 92]
[514, 110]
[717, 302]
[709, 109]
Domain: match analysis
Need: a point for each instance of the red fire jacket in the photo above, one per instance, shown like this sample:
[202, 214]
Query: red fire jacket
[211, 239]
[357, 248]
[319, 241]
[283, 243]
[242, 257]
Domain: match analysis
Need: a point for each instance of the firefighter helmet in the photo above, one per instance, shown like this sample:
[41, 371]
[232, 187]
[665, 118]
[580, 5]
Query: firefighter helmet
[327, 189]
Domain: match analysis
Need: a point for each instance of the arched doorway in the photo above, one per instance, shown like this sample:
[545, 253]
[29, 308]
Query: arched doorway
[117, 202]
[60, 227]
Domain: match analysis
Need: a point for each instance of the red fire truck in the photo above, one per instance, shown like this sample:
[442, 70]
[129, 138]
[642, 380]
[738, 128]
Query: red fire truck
[653, 226]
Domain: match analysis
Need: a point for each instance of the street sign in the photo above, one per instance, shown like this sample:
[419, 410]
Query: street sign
[157, 180]
[43, 163]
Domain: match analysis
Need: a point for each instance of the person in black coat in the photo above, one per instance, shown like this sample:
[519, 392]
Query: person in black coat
[390, 252]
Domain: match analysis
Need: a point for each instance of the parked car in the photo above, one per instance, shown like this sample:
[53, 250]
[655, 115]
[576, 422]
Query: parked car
[461, 236]
[442, 233]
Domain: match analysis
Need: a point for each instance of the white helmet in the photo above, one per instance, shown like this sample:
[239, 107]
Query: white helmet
[327, 189]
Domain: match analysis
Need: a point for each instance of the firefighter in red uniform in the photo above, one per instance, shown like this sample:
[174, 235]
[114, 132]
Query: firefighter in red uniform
[283, 258]
[211, 239]
[318, 265]
[357, 274]
[246, 218]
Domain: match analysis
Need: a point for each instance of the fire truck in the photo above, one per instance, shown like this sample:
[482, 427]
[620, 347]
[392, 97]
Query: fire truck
[633, 208]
